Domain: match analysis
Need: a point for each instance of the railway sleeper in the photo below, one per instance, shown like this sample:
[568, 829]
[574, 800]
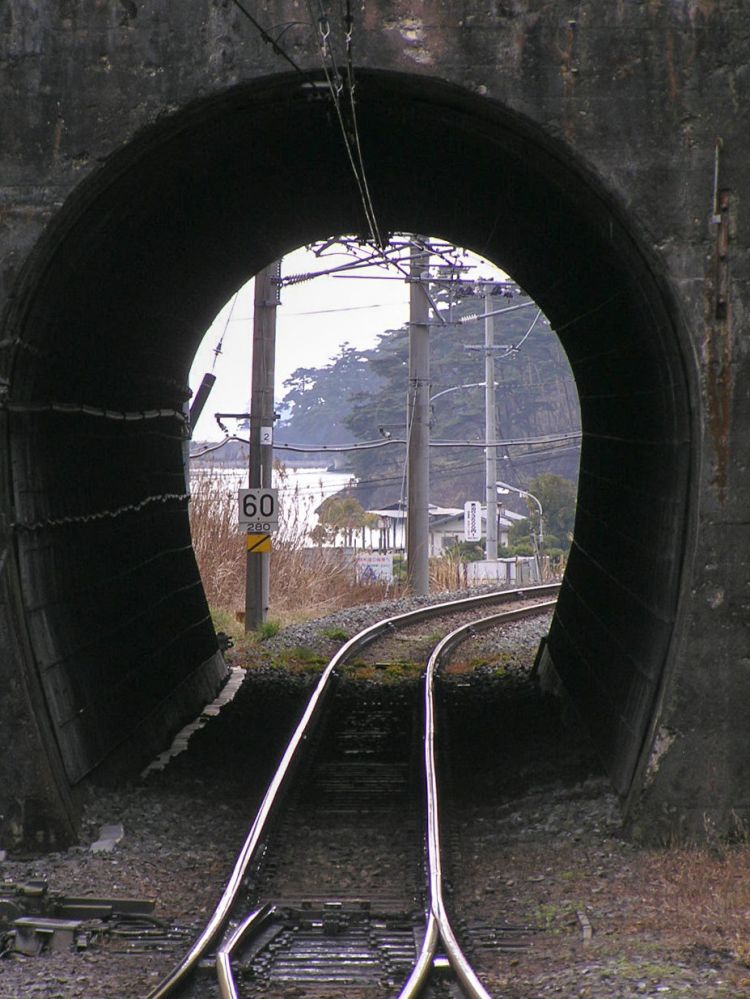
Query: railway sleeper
[349, 942]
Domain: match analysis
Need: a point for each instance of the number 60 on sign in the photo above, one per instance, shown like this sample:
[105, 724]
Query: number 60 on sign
[258, 509]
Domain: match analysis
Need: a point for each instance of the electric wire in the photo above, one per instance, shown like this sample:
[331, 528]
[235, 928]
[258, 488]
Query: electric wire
[335, 86]
[314, 490]
[324, 312]
[445, 471]
[220, 342]
[335, 89]
[516, 347]
[349, 30]
[541, 441]
[378, 257]
[276, 48]
[375, 444]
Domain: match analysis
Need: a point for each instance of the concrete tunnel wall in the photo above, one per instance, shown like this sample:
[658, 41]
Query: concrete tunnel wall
[118, 298]
[153, 158]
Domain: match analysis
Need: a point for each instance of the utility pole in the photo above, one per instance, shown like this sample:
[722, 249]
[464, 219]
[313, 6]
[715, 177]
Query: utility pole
[490, 418]
[261, 430]
[489, 427]
[418, 429]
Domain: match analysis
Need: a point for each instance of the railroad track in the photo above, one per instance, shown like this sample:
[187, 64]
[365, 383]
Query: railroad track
[357, 777]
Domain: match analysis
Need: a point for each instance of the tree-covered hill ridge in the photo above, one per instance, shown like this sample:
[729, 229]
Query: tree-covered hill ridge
[360, 395]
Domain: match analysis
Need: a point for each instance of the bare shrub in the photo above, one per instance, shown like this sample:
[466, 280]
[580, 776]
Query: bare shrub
[305, 582]
[218, 542]
[310, 582]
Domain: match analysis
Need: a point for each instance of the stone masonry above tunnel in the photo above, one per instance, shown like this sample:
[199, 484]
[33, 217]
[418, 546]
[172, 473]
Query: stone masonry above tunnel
[172, 152]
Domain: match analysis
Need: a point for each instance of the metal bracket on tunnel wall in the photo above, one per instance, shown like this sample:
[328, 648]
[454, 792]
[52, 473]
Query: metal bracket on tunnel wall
[718, 334]
[721, 299]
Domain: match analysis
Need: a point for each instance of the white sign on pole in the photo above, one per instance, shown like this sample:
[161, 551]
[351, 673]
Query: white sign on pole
[473, 520]
[266, 435]
[258, 510]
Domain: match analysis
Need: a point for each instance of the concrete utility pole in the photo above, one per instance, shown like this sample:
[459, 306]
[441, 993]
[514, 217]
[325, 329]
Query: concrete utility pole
[261, 420]
[489, 426]
[418, 429]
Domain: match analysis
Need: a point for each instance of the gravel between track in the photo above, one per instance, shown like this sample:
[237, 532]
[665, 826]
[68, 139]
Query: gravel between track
[539, 835]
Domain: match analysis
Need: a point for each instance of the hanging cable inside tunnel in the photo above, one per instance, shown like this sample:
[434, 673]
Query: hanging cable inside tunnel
[349, 129]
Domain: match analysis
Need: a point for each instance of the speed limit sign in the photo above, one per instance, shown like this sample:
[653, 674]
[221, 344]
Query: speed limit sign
[259, 510]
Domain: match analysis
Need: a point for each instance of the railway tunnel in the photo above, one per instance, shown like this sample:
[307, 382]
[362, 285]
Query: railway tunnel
[113, 640]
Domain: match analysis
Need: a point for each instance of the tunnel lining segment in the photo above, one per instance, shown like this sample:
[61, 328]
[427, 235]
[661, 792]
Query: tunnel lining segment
[164, 257]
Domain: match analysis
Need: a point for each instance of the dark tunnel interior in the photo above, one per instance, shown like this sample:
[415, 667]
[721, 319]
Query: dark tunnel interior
[113, 304]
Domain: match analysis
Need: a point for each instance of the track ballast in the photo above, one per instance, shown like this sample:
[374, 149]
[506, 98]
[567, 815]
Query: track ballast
[297, 912]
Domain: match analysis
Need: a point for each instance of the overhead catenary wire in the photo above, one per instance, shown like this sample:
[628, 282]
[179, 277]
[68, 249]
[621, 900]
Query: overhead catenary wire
[335, 90]
[349, 30]
[371, 445]
[363, 484]
[220, 342]
[525, 337]
[335, 87]
[354, 485]
[325, 312]
[402, 243]
[373, 257]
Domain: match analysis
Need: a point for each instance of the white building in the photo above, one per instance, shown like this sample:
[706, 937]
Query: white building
[446, 527]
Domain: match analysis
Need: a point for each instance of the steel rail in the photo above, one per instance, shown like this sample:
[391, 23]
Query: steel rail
[224, 973]
[218, 920]
[438, 923]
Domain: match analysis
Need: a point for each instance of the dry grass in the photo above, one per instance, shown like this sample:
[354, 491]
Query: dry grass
[698, 893]
[217, 540]
[447, 572]
[305, 582]
[680, 897]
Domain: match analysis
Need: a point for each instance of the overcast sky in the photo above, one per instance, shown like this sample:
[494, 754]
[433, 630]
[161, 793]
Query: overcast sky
[315, 317]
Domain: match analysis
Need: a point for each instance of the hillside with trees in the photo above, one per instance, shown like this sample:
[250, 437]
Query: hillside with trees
[360, 395]
[317, 402]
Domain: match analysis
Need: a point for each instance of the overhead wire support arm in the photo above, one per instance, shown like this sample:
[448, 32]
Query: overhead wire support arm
[421, 281]
[269, 40]
[374, 258]
[496, 312]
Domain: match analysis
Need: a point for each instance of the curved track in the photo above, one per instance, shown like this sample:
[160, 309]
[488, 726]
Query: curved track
[437, 927]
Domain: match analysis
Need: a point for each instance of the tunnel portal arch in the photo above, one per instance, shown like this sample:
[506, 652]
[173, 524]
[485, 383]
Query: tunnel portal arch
[118, 648]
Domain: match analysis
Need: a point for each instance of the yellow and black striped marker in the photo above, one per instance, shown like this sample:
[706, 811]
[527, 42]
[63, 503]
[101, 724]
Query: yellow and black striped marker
[258, 543]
